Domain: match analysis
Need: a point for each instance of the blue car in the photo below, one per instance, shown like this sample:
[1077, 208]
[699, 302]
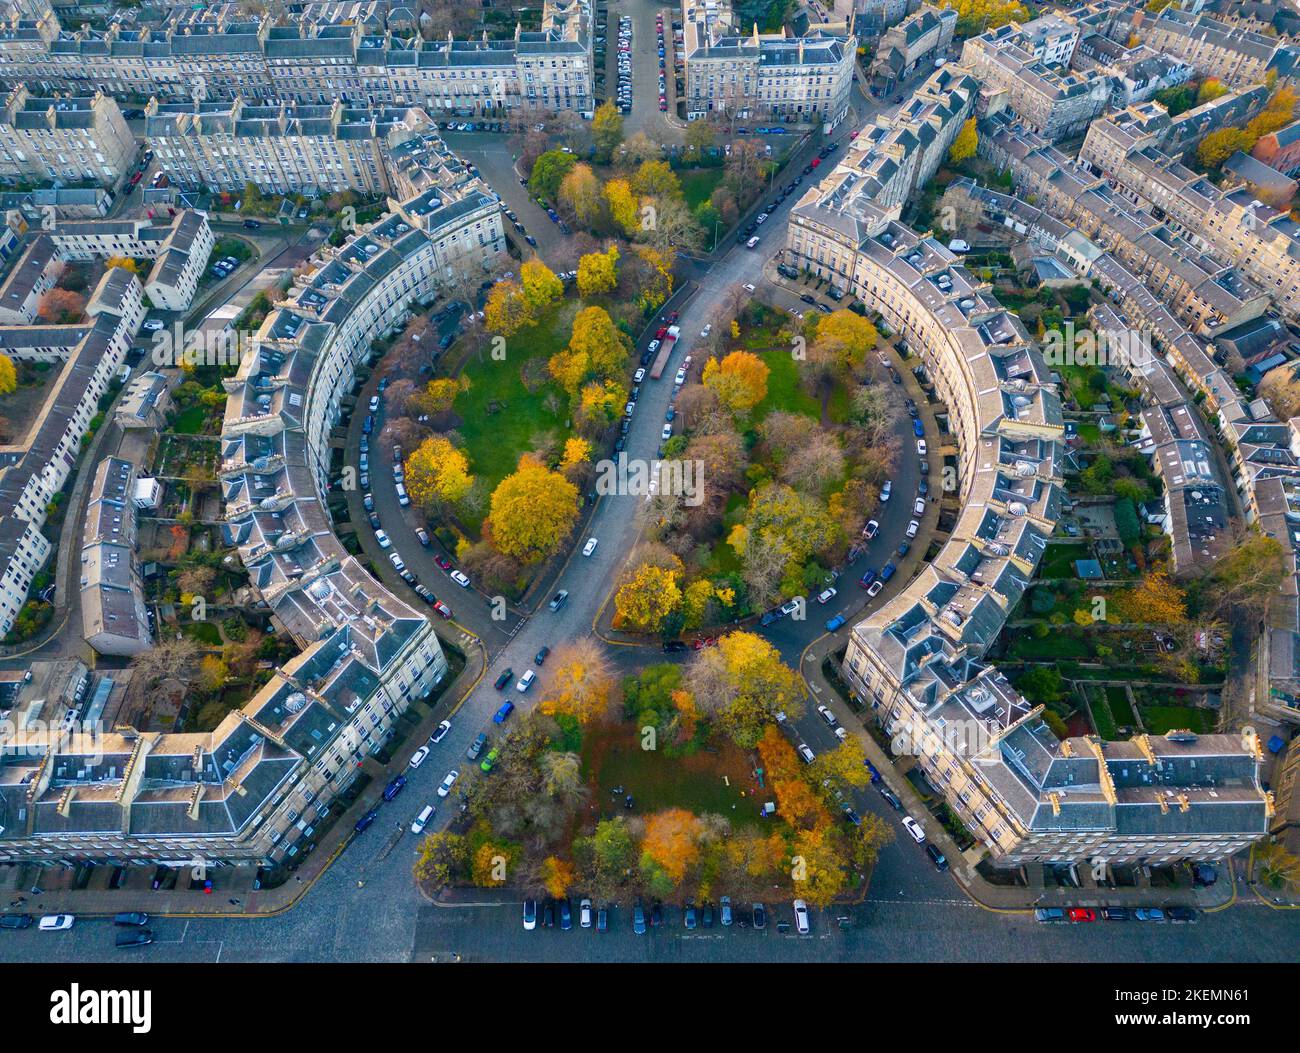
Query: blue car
[917, 430]
[867, 578]
[504, 712]
[395, 787]
[875, 775]
[903, 548]
[887, 571]
[367, 819]
[835, 623]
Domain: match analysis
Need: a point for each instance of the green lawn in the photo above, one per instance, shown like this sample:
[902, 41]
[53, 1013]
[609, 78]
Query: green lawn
[723, 559]
[698, 782]
[783, 389]
[1059, 643]
[190, 421]
[1058, 560]
[1119, 705]
[1159, 719]
[500, 416]
[203, 632]
[698, 184]
[1102, 717]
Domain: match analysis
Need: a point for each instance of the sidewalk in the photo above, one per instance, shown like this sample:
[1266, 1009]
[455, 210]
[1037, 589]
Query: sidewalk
[962, 865]
[229, 883]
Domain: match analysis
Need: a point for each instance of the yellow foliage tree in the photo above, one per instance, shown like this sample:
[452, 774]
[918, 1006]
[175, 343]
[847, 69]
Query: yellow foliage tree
[672, 843]
[580, 684]
[507, 310]
[598, 272]
[624, 206]
[739, 380]
[558, 875]
[647, 598]
[8, 375]
[437, 471]
[125, 262]
[577, 450]
[541, 287]
[966, 143]
[532, 511]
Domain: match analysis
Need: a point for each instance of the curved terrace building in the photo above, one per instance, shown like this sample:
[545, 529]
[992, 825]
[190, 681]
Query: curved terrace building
[255, 789]
[918, 661]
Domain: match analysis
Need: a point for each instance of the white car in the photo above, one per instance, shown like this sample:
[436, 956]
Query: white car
[827, 716]
[920, 447]
[707, 330]
[827, 596]
[153, 325]
[761, 218]
[525, 682]
[871, 529]
[918, 508]
[653, 345]
[667, 433]
[887, 489]
[460, 579]
[841, 733]
[805, 751]
[801, 918]
[584, 913]
[686, 362]
[383, 539]
[680, 378]
[627, 410]
[417, 758]
[57, 922]
[397, 561]
[913, 828]
[590, 546]
[448, 782]
[422, 820]
[440, 732]
[749, 287]
[638, 376]
[912, 528]
[874, 588]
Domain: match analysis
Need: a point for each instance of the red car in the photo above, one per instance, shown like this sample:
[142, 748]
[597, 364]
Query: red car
[442, 609]
[1081, 914]
[853, 135]
[661, 332]
[816, 161]
[443, 562]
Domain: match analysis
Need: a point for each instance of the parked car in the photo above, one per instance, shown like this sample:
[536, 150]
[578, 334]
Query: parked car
[57, 922]
[134, 938]
[15, 921]
[1149, 914]
[476, 747]
[526, 681]
[395, 786]
[835, 623]
[889, 796]
[460, 579]
[584, 913]
[541, 655]
[530, 914]
[366, 820]
[913, 828]
[503, 714]
[1049, 914]
[418, 757]
[801, 919]
[1081, 914]
[440, 732]
[422, 820]
[590, 546]
[1115, 914]
[503, 678]
[559, 600]
[448, 781]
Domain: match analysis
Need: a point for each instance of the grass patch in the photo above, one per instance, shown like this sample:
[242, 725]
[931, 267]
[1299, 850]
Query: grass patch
[203, 632]
[698, 185]
[1057, 644]
[1102, 717]
[1058, 560]
[1119, 705]
[190, 421]
[500, 417]
[698, 782]
[783, 389]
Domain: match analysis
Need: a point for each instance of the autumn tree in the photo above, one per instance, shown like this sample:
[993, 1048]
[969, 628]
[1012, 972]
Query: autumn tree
[125, 262]
[507, 310]
[744, 684]
[213, 673]
[965, 144]
[532, 511]
[578, 682]
[1218, 146]
[168, 659]
[1243, 581]
[740, 380]
[598, 272]
[580, 194]
[671, 846]
[606, 131]
[624, 206]
[61, 306]
[1211, 88]
[818, 871]
[842, 340]
[558, 876]
[442, 859]
[1156, 598]
[541, 287]
[437, 472]
[597, 349]
[647, 596]
[437, 397]
[8, 375]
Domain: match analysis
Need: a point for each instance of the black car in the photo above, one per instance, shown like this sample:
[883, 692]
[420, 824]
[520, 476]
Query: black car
[1114, 914]
[15, 921]
[548, 915]
[674, 646]
[888, 795]
[134, 938]
[252, 224]
[500, 682]
[706, 916]
[1180, 913]
[936, 856]
[566, 916]
[540, 657]
[656, 914]
[131, 917]
[760, 916]
[808, 298]
[396, 786]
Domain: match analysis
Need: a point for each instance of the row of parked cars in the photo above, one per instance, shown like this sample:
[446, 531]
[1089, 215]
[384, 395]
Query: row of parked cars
[1079, 915]
[131, 925]
[553, 913]
[624, 92]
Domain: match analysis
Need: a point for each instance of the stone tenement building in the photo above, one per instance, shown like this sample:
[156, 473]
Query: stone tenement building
[907, 46]
[64, 140]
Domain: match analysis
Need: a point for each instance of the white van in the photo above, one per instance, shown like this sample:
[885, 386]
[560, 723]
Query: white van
[422, 820]
[402, 498]
[752, 242]
[525, 682]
